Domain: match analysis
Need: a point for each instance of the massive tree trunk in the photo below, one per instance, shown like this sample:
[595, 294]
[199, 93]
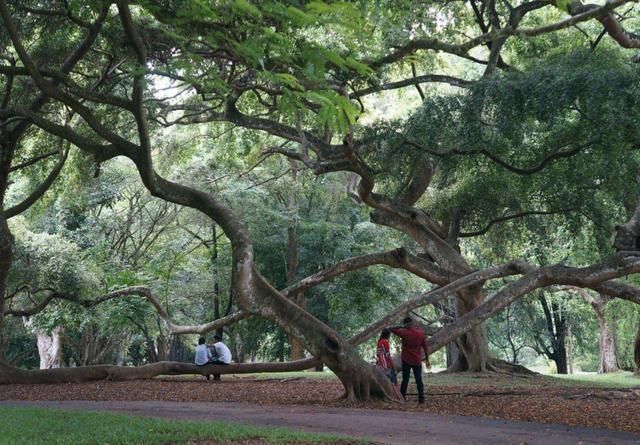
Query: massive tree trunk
[473, 346]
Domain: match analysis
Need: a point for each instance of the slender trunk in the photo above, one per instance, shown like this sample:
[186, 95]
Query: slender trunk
[607, 344]
[569, 347]
[561, 356]
[297, 347]
[6, 256]
[7, 148]
[636, 350]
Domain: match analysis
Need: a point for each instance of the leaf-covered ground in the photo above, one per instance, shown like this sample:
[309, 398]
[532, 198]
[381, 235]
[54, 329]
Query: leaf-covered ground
[535, 399]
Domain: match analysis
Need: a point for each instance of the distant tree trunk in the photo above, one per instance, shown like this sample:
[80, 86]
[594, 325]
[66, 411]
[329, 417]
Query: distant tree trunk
[297, 349]
[556, 323]
[569, 347]
[607, 327]
[608, 356]
[178, 351]
[217, 313]
[238, 346]
[162, 347]
[636, 350]
[561, 358]
[8, 143]
[50, 348]
[6, 256]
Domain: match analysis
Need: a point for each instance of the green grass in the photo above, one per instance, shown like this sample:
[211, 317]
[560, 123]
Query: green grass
[621, 379]
[290, 375]
[325, 375]
[35, 426]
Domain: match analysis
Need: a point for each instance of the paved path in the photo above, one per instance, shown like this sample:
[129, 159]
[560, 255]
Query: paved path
[406, 427]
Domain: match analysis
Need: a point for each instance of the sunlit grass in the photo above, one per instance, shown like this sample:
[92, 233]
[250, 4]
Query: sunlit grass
[34, 426]
[620, 379]
[324, 375]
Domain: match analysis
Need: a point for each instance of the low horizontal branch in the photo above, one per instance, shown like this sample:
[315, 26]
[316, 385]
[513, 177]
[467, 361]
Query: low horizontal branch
[12, 375]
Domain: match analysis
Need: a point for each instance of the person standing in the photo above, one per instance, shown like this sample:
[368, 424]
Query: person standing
[221, 354]
[413, 340]
[383, 356]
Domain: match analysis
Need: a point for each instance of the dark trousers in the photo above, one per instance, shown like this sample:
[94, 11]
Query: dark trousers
[217, 362]
[417, 374]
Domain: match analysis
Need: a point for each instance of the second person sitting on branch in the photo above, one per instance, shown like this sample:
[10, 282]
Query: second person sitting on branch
[221, 354]
[413, 340]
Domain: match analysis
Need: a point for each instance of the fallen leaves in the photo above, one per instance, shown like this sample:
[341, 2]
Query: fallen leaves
[537, 402]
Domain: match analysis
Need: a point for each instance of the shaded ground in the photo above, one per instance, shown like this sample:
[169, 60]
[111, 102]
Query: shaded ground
[535, 399]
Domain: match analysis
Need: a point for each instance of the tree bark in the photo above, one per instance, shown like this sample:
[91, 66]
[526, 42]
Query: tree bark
[12, 375]
[607, 344]
[473, 345]
[607, 326]
[50, 348]
[7, 149]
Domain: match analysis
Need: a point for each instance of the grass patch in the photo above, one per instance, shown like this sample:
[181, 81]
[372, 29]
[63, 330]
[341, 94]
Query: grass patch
[312, 375]
[324, 375]
[621, 379]
[35, 426]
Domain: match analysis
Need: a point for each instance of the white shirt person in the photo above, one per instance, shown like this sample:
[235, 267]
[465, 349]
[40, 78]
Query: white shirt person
[221, 354]
[203, 354]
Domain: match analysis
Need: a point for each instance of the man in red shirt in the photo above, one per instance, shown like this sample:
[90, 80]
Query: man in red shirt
[413, 339]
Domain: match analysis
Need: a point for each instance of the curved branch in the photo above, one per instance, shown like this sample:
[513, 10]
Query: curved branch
[594, 276]
[40, 190]
[33, 160]
[139, 291]
[618, 289]
[417, 80]
[512, 168]
[508, 218]
[398, 258]
[433, 296]
[463, 48]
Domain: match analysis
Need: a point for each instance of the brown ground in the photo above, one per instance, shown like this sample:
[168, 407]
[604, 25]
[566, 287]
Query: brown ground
[536, 401]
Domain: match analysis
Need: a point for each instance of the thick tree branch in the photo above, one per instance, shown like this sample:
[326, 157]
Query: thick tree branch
[438, 294]
[11, 375]
[398, 258]
[593, 276]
